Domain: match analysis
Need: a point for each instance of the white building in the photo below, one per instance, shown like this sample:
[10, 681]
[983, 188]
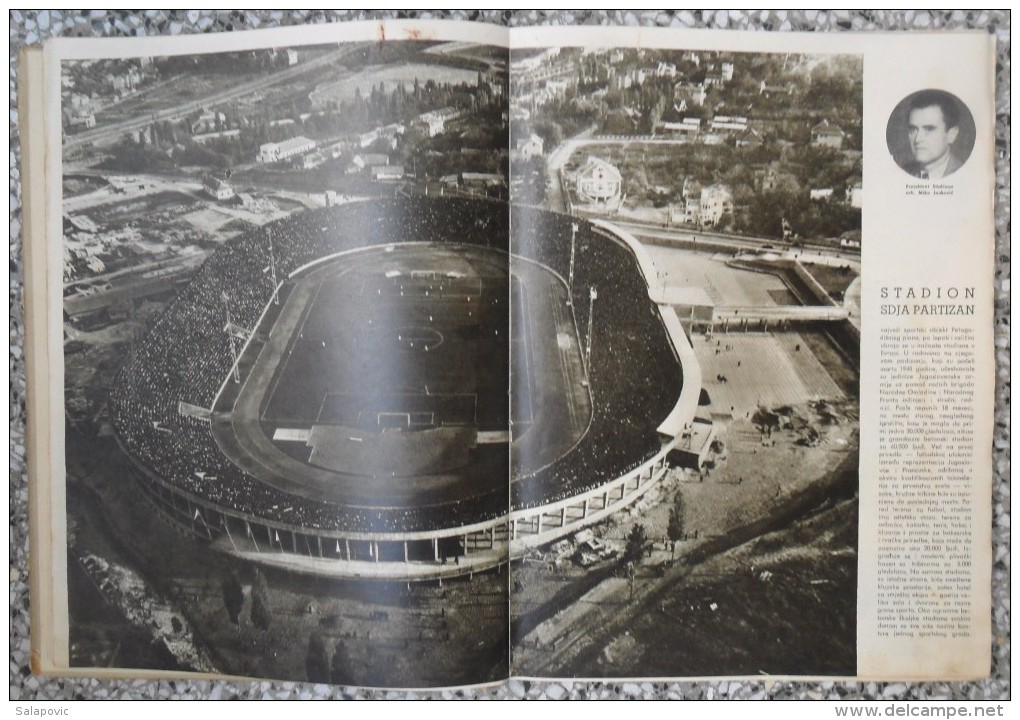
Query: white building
[83, 117]
[692, 210]
[217, 188]
[857, 196]
[687, 126]
[312, 160]
[750, 138]
[730, 123]
[765, 89]
[665, 69]
[599, 182]
[207, 122]
[716, 201]
[476, 180]
[272, 152]
[824, 134]
[382, 173]
[530, 147]
[434, 122]
[686, 95]
[365, 160]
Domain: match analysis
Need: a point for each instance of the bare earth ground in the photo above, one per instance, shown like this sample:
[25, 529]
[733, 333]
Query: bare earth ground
[431, 635]
[790, 511]
[699, 624]
[765, 581]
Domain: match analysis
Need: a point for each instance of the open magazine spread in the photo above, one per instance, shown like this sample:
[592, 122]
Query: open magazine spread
[427, 354]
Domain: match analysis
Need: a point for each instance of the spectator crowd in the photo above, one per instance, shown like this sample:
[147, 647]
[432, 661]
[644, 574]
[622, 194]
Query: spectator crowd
[186, 357]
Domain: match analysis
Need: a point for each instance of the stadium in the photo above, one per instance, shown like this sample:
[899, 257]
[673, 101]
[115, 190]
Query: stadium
[330, 394]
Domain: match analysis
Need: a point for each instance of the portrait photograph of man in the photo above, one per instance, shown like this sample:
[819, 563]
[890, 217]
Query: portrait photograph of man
[930, 134]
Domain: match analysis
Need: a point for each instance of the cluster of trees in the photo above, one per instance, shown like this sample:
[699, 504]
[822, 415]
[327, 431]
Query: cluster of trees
[93, 77]
[556, 120]
[759, 210]
[530, 181]
[164, 145]
[132, 156]
[765, 212]
[637, 543]
[319, 668]
[675, 528]
[230, 63]
[637, 538]
[261, 614]
[379, 107]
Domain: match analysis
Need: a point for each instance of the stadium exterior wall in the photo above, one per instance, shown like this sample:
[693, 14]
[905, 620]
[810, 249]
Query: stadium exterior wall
[398, 556]
[678, 421]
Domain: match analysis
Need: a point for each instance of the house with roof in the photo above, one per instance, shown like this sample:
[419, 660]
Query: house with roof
[208, 121]
[687, 95]
[855, 195]
[531, 146]
[728, 123]
[716, 201]
[272, 152]
[598, 182]
[825, 134]
[688, 126]
[750, 138]
[313, 160]
[217, 187]
[387, 173]
[665, 69]
[434, 122]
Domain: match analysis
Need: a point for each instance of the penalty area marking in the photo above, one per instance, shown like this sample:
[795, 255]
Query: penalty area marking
[291, 435]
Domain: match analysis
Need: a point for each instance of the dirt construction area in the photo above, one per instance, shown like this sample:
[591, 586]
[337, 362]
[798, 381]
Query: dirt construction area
[766, 577]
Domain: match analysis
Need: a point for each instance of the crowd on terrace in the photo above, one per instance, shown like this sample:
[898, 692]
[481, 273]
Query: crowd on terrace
[186, 356]
[634, 375]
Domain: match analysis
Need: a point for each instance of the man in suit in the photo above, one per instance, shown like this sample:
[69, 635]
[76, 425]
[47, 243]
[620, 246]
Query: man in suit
[933, 122]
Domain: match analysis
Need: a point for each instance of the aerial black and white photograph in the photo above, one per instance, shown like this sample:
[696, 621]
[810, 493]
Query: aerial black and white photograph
[703, 210]
[418, 363]
[286, 291]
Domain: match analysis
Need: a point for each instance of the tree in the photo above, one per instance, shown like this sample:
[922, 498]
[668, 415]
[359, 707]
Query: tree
[316, 661]
[637, 538]
[261, 616]
[675, 529]
[339, 669]
[233, 597]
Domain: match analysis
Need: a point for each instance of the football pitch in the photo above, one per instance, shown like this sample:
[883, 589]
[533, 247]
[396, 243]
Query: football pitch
[384, 377]
[416, 341]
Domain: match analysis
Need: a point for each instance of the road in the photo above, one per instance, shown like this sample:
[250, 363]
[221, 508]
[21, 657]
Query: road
[555, 162]
[111, 132]
[559, 157]
[805, 251]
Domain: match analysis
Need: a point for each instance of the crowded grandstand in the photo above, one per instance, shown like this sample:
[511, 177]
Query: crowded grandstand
[634, 374]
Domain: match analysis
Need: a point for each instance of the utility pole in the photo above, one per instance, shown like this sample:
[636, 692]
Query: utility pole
[272, 268]
[570, 280]
[229, 330]
[592, 296]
